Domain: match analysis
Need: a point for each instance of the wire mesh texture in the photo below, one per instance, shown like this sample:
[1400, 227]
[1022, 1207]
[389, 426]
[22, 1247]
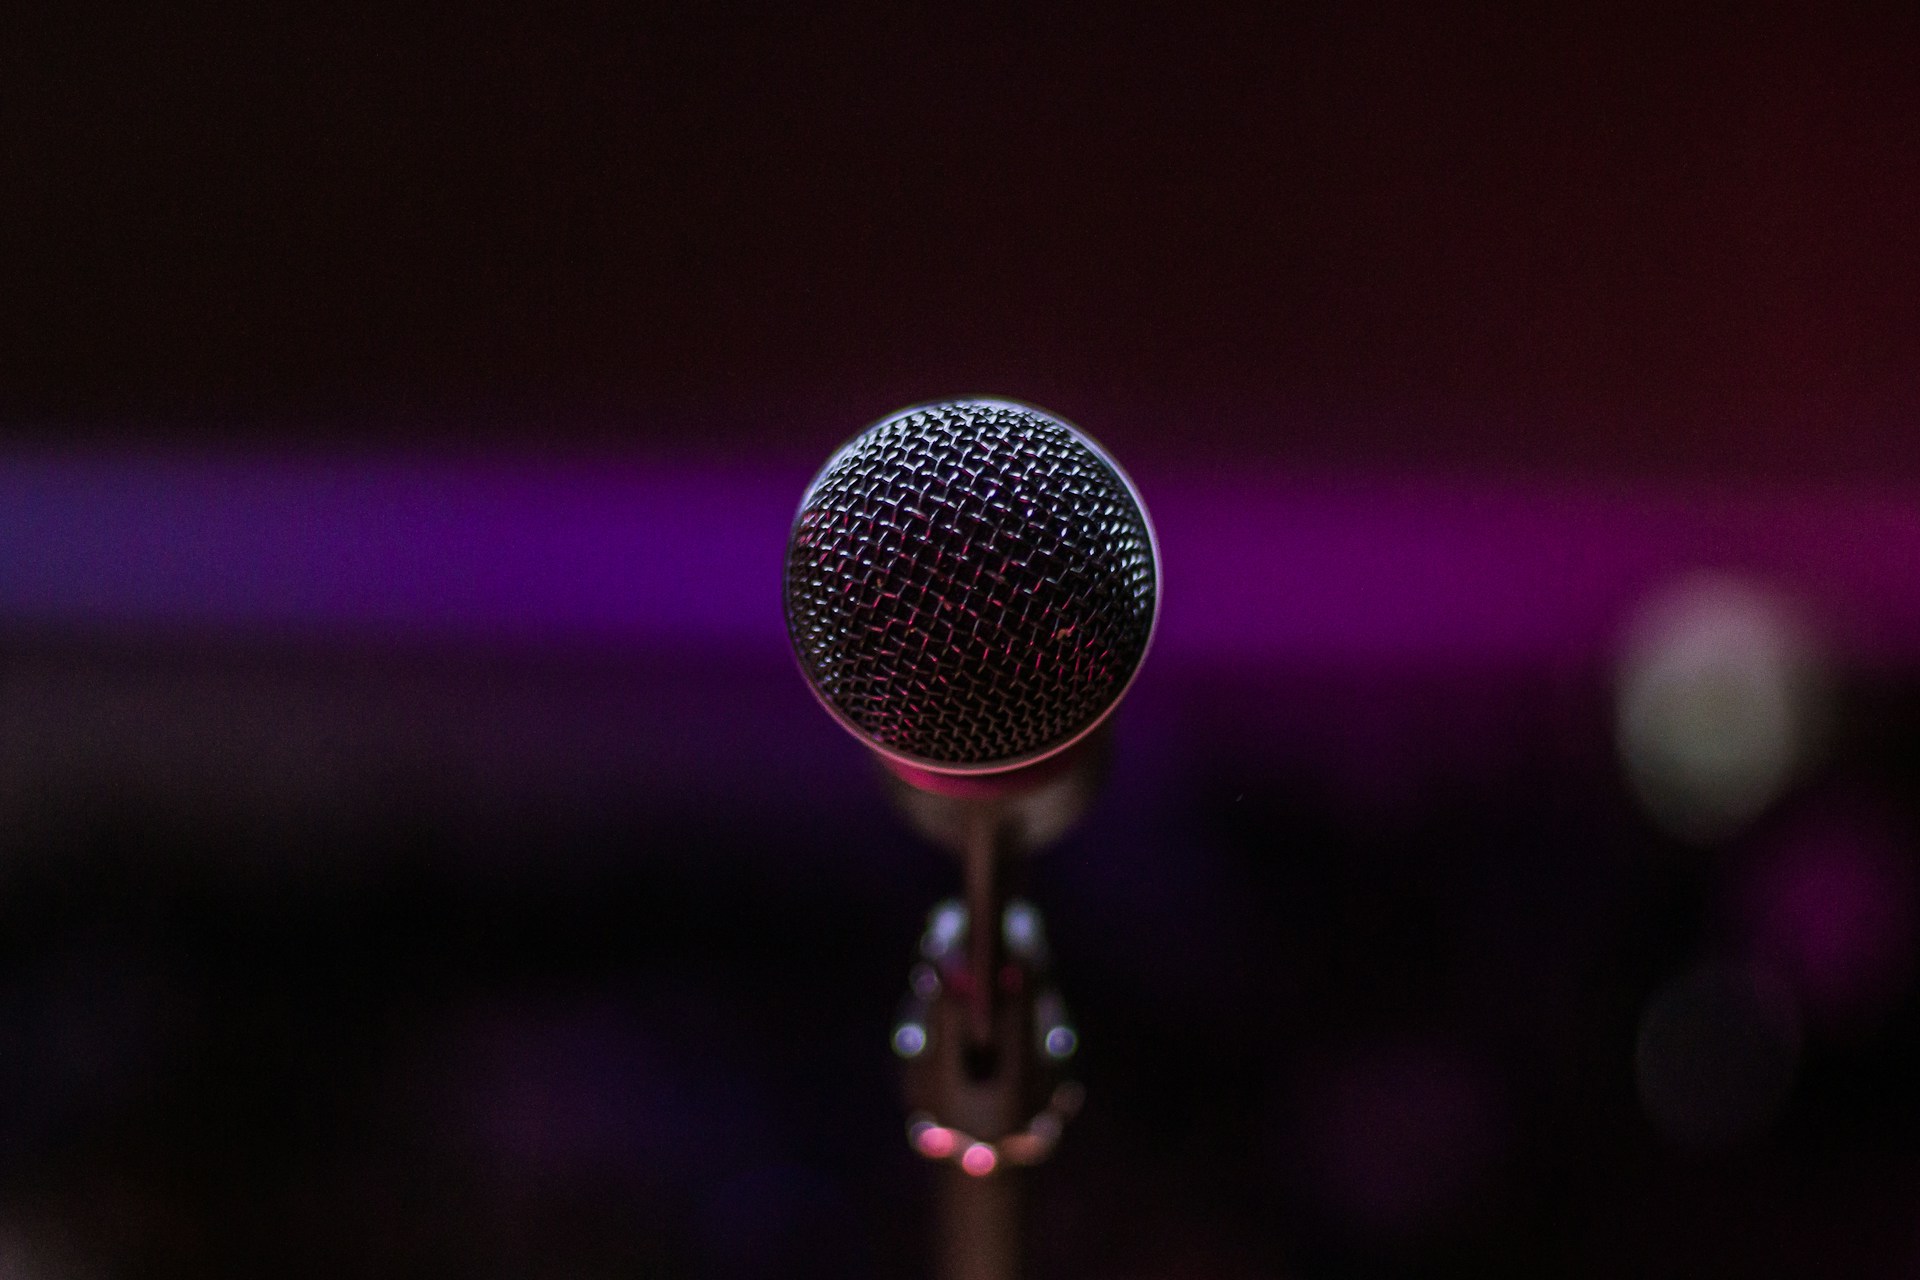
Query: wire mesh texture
[970, 585]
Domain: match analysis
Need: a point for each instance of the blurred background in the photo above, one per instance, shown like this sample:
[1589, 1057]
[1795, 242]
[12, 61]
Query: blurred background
[418, 851]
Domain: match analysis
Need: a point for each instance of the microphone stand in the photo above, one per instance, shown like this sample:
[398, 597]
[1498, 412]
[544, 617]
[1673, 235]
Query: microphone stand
[984, 1032]
[981, 1217]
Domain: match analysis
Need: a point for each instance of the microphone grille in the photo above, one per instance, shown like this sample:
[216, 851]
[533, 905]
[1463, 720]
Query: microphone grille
[970, 585]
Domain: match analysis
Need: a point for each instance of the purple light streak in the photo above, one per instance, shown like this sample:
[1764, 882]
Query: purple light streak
[631, 552]
[357, 547]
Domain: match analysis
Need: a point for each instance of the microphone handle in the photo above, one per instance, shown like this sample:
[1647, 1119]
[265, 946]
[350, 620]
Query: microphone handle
[982, 1223]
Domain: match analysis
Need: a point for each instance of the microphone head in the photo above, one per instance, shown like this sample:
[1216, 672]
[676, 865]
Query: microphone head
[971, 586]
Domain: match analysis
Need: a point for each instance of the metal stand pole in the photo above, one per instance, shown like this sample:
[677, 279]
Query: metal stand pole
[984, 1031]
[981, 1215]
[981, 1221]
[985, 1106]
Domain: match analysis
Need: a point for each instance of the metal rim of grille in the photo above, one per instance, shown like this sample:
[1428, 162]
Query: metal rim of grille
[882, 546]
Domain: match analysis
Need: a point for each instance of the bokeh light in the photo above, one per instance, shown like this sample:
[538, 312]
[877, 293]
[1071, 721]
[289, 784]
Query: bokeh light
[1829, 904]
[1722, 700]
[1716, 1055]
[979, 1160]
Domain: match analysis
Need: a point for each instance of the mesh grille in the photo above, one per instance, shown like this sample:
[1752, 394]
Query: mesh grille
[970, 583]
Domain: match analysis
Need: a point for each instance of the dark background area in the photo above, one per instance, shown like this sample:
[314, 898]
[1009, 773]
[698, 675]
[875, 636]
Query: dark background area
[390, 956]
[1583, 236]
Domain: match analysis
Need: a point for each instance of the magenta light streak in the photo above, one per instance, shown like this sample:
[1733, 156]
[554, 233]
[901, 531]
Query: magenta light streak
[1256, 567]
[1459, 571]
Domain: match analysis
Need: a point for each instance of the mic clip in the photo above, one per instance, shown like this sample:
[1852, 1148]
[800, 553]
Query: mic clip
[984, 1106]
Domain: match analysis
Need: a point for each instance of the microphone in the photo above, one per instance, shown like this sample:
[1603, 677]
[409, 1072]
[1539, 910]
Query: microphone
[970, 589]
[971, 586]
